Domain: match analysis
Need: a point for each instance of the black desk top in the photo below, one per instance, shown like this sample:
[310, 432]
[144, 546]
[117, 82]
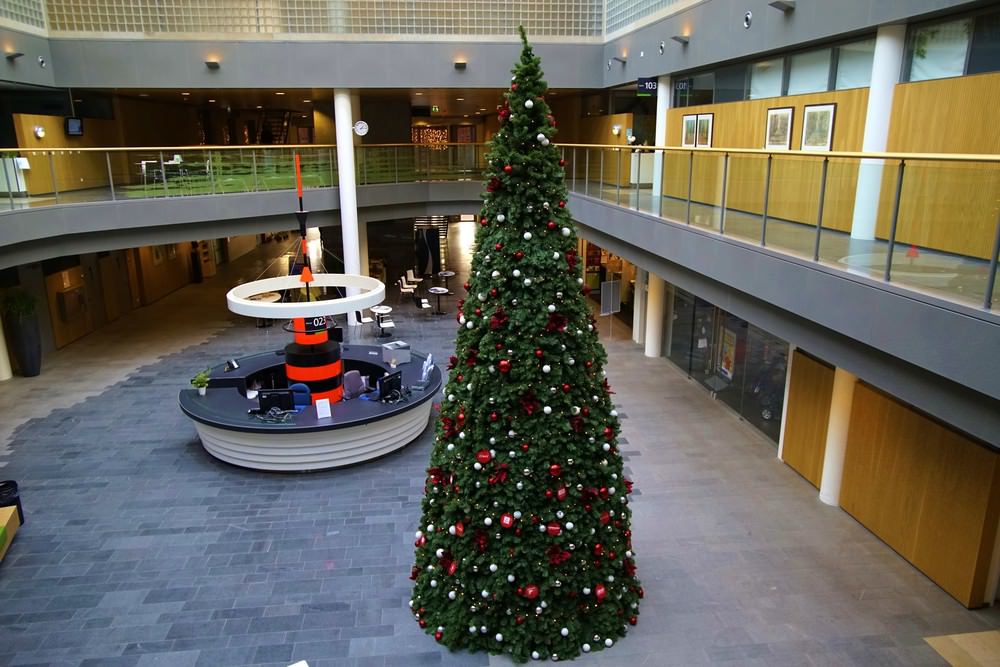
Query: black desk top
[226, 407]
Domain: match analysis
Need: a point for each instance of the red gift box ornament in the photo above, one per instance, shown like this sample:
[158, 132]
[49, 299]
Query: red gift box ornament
[459, 529]
[484, 456]
[507, 520]
[561, 493]
[530, 591]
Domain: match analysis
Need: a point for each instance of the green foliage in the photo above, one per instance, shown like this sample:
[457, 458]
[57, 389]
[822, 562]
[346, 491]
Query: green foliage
[524, 545]
[18, 304]
[201, 379]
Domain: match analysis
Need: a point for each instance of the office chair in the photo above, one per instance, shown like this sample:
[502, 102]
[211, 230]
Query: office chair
[354, 384]
[301, 394]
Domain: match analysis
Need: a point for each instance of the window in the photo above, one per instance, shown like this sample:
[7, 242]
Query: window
[809, 72]
[854, 64]
[692, 90]
[985, 53]
[765, 78]
[731, 83]
[938, 51]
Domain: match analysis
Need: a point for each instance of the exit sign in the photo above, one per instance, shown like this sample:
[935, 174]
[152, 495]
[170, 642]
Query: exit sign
[435, 109]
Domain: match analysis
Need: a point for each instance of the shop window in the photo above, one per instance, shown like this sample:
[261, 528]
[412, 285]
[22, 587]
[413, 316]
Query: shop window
[854, 64]
[809, 72]
[938, 51]
[766, 78]
[692, 90]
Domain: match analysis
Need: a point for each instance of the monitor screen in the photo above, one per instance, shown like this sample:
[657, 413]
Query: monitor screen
[390, 387]
[74, 126]
[276, 398]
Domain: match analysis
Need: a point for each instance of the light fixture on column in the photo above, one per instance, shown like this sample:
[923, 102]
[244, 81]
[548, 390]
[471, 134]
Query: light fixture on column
[212, 64]
[662, 45]
[621, 59]
[681, 39]
[461, 65]
[616, 130]
[39, 132]
[11, 56]
[783, 5]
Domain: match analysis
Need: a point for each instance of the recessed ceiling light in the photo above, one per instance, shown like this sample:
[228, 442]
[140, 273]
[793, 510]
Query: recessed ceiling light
[211, 100]
[418, 93]
[304, 116]
[459, 99]
[307, 101]
[465, 116]
[259, 106]
[279, 93]
[185, 94]
[77, 100]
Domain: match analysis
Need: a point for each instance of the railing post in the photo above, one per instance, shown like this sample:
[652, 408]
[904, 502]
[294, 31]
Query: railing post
[586, 172]
[573, 177]
[618, 178]
[600, 177]
[253, 158]
[360, 151]
[725, 181]
[638, 175]
[211, 171]
[819, 213]
[991, 280]
[895, 218]
[163, 176]
[395, 161]
[111, 178]
[333, 171]
[10, 190]
[52, 172]
[690, 185]
[767, 196]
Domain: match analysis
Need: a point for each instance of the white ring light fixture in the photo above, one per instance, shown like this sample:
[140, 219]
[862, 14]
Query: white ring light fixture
[238, 298]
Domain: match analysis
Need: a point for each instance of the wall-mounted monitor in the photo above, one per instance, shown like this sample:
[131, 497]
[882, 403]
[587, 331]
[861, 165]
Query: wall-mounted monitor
[74, 126]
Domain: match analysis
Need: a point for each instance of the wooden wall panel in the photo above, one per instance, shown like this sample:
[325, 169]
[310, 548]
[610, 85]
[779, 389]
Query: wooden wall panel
[810, 391]
[69, 308]
[794, 181]
[73, 170]
[929, 492]
[597, 130]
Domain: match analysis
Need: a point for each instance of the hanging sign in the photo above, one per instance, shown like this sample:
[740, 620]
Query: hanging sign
[645, 87]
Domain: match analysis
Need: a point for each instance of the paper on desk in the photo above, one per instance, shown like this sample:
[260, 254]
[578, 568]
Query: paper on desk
[323, 408]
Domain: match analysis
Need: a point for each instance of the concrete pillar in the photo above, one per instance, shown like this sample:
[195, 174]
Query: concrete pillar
[344, 122]
[662, 105]
[836, 436]
[886, 64]
[5, 372]
[784, 401]
[639, 306]
[655, 300]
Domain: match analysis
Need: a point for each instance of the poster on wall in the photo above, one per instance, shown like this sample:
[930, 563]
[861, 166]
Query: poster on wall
[817, 127]
[728, 354]
[778, 132]
[689, 131]
[704, 138]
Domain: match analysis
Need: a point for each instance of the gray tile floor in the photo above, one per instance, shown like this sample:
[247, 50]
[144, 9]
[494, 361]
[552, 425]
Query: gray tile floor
[140, 549]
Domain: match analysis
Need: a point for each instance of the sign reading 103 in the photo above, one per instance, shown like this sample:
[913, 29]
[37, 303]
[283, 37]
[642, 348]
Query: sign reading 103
[645, 87]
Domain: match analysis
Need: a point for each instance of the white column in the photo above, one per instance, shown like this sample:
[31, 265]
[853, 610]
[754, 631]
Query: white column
[784, 401]
[344, 121]
[836, 436]
[886, 64]
[662, 105]
[5, 372]
[639, 306]
[654, 315]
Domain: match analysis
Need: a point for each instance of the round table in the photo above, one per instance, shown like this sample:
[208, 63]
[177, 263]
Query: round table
[438, 291]
[265, 297]
[446, 275]
[379, 312]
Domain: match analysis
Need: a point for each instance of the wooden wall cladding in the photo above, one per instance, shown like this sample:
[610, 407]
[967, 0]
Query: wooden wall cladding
[929, 492]
[810, 390]
[614, 169]
[795, 181]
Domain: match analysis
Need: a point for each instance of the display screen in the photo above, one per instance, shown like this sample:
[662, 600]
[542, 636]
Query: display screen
[390, 387]
[74, 126]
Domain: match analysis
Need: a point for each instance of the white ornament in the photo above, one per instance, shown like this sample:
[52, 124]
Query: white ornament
[488, 521]
[547, 410]
[493, 441]
[579, 281]
[434, 583]
[477, 465]
[608, 642]
[512, 454]
[555, 255]
[461, 319]
[527, 236]
[499, 637]
[569, 525]
[546, 368]
[461, 435]
[575, 410]
[452, 595]
[527, 282]
[495, 274]
[451, 397]
[552, 307]
[611, 490]
[540, 137]
[485, 594]
[571, 361]
[606, 447]
[450, 447]
[559, 514]
[614, 413]
[430, 528]
[517, 514]
[510, 578]
[586, 591]
[493, 567]
[451, 530]
[469, 386]
[469, 325]
[482, 629]
[481, 296]
[565, 231]
[545, 142]
[517, 273]
[564, 632]
[439, 553]
[528, 104]
[586, 648]
[520, 486]
[472, 629]
[501, 217]
[534, 655]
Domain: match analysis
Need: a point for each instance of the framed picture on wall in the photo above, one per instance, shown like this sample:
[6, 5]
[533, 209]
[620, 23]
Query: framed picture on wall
[689, 132]
[817, 127]
[778, 132]
[704, 138]
[157, 255]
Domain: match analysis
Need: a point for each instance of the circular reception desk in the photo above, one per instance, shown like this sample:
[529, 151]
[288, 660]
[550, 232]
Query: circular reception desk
[357, 430]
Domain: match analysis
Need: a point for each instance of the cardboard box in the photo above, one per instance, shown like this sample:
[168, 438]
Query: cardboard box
[9, 523]
[397, 350]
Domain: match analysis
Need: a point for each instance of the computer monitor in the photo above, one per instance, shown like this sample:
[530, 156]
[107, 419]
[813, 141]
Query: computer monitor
[390, 386]
[74, 126]
[276, 398]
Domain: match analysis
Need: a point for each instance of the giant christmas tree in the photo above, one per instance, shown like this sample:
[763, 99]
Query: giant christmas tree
[524, 546]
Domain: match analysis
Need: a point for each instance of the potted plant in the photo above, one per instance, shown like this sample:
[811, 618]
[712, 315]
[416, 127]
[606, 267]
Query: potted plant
[21, 318]
[200, 382]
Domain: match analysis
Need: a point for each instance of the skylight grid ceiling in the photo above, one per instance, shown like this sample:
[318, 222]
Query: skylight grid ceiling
[28, 12]
[570, 18]
[622, 13]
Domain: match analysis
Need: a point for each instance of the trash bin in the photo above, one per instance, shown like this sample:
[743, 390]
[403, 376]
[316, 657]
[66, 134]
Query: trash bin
[9, 497]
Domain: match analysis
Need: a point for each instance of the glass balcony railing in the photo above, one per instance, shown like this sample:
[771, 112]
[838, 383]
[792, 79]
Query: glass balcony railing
[929, 223]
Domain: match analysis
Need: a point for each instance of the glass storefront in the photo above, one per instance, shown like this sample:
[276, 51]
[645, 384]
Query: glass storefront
[741, 364]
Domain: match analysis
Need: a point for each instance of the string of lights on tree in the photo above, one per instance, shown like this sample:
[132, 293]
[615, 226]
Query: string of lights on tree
[525, 545]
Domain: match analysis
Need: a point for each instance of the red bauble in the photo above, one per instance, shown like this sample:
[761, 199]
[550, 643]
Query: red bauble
[561, 493]
[562, 204]
[494, 416]
[438, 635]
[551, 224]
[498, 346]
[484, 456]
[467, 286]
[459, 377]
[632, 620]
[598, 549]
[553, 529]
[609, 432]
[600, 592]
[479, 312]
[520, 619]
[588, 363]
[548, 493]
[517, 531]
[498, 246]
[566, 388]
[519, 255]
[612, 555]
[506, 519]
[461, 416]
[493, 291]
[423, 623]
[524, 446]
[562, 163]
[459, 529]
[586, 412]
[507, 168]
[421, 541]
[484, 222]
[513, 86]
[642, 593]
[531, 591]
[539, 352]
[452, 567]
[605, 517]
[603, 492]
[555, 470]
[504, 365]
